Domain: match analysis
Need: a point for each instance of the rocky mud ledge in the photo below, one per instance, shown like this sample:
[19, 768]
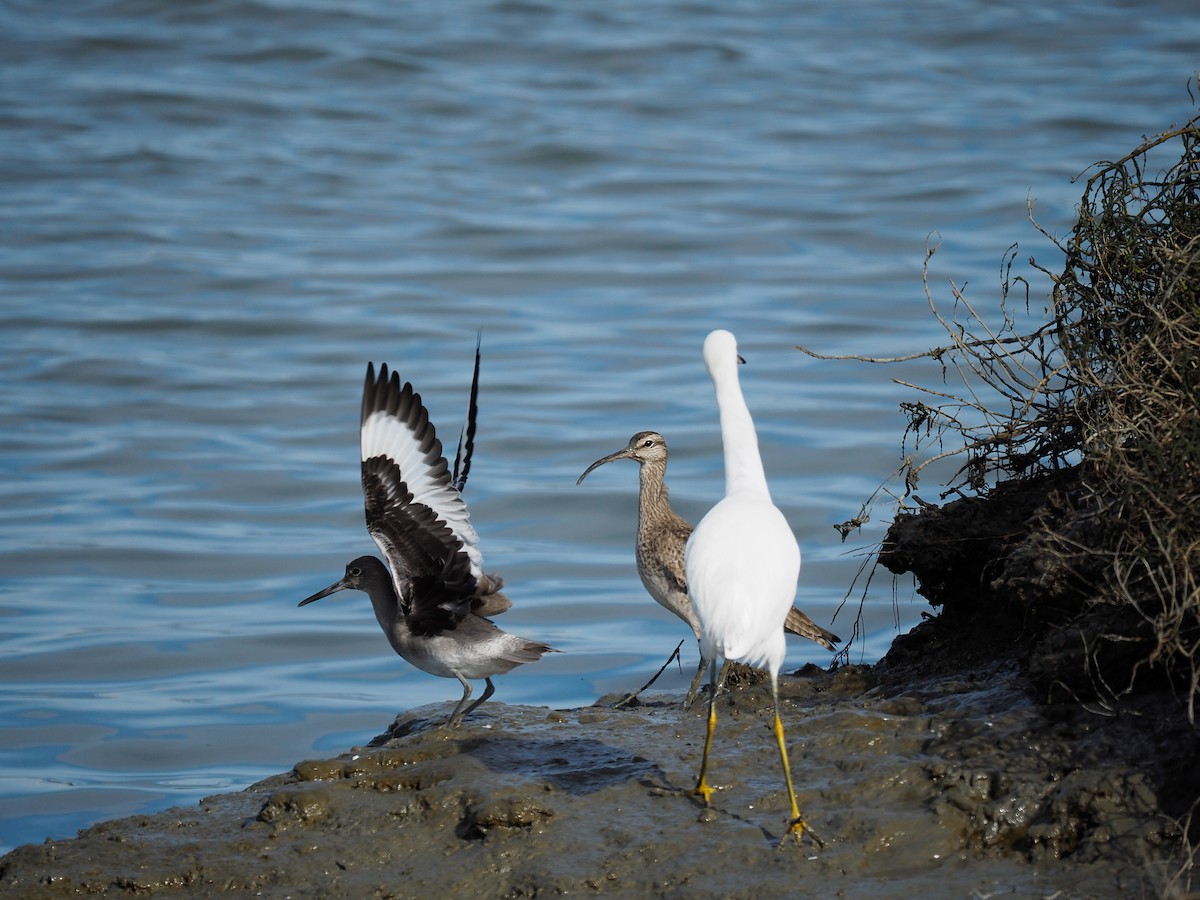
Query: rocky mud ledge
[936, 773]
[977, 758]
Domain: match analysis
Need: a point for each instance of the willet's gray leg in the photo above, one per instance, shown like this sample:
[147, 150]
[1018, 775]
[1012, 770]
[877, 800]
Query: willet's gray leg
[457, 716]
[487, 692]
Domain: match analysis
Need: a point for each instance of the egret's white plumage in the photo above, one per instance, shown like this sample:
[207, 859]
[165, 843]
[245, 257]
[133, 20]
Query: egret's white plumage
[742, 565]
[742, 560]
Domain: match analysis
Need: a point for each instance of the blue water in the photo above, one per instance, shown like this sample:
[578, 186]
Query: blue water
[214, 213]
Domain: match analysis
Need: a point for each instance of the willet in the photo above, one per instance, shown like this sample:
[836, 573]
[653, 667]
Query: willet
[742, 563]
[662, 535]
[432, 598]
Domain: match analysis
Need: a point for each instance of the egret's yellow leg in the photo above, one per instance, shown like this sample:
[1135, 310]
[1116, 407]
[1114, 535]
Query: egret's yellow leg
[702, 789]
[797, 826]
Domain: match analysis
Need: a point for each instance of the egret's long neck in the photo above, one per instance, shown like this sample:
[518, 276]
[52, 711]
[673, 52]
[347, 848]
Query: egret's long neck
[743, 464]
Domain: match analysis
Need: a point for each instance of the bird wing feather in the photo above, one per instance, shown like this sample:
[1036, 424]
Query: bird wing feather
[799, 623]
[742, 563]
[466, 437]
[395, 426]
[431, 573]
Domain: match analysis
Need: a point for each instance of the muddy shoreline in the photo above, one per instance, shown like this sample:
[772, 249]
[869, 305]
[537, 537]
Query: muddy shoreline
[938, 772]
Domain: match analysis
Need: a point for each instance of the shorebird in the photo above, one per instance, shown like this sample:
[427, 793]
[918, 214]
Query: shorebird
[742, 563]
[662, 535]
[432, 598]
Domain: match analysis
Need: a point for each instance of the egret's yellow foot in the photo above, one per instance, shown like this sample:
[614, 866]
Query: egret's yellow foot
[798, 828]
[703, 791]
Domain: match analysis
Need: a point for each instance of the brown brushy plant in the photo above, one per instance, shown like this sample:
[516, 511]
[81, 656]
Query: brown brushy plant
[1102, 392]
[1127, 327]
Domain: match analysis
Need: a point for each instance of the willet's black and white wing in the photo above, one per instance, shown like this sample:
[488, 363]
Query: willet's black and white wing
[431, 573]
[414, 512]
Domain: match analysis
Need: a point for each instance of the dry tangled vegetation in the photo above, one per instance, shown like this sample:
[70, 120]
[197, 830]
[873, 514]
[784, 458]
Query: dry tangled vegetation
[1074, 532]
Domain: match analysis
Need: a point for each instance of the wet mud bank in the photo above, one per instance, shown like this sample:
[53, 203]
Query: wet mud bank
[924, 779]
[969, 762]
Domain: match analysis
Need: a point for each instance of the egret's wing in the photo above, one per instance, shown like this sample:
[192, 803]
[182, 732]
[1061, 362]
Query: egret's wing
[431, 573]
[395, 427]
[742, 563]
[466, 437]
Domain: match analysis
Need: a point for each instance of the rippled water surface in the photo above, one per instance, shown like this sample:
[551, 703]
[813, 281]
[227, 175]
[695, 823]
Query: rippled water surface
[216, 212]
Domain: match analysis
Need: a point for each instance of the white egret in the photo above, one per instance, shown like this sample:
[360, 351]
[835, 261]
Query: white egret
[742, 563]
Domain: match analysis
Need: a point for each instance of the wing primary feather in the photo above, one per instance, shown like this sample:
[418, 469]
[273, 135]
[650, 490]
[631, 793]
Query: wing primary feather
[466, 437]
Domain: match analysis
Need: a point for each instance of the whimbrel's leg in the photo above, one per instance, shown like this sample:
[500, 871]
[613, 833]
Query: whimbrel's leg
[629, 698]
[691, 694]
